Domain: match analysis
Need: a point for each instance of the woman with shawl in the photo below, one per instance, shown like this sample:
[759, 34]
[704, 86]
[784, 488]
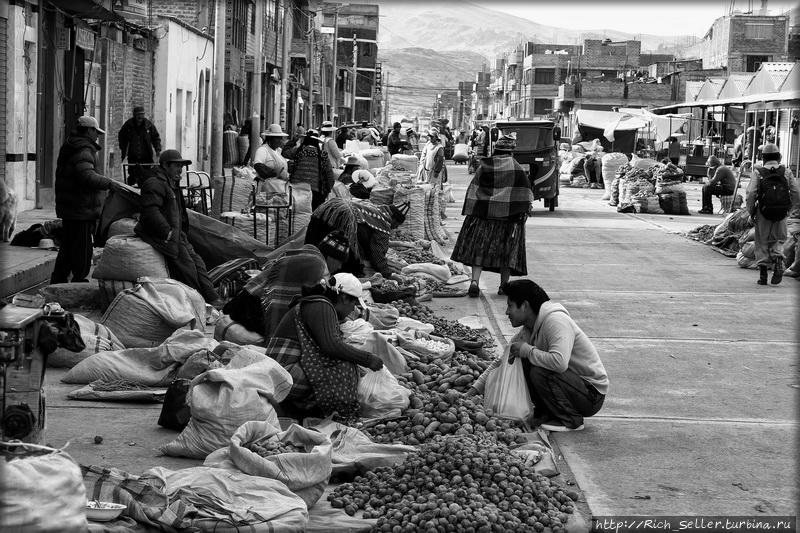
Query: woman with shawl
[308, 343]
[496, 207]
[312, 179]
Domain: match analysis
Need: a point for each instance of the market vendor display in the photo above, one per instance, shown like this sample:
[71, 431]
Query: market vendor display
[308, 344]
[566, 378]
[164, 224]
[263, 301]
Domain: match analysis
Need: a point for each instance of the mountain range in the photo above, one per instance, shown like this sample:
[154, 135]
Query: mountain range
[428, 46]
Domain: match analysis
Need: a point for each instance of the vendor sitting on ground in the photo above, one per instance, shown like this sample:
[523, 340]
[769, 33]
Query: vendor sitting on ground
[366, 226]
[722, 183]
[354, 181]
[309, 345]
[263, 301]
[566, 379]
[164, 223]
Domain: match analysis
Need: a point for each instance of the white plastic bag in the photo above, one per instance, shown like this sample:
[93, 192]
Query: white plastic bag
[381, 394]
[506, 393]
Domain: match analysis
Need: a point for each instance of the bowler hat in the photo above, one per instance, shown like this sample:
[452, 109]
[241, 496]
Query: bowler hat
[327, 126]
[352, 160]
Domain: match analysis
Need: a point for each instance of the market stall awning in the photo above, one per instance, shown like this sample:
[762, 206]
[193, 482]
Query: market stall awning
[605, 119]
[88, 9]
[781, 96]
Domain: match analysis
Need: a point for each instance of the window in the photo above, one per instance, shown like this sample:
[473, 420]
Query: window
[239, 10]
[541, 106]
[544, 76]
[271, 15]
[757, 30]
[754, 62]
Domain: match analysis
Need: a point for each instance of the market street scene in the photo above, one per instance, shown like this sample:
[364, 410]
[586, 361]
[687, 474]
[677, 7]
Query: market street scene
[312, 266]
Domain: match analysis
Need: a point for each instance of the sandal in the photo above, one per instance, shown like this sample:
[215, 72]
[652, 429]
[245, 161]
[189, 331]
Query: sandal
[474, 291]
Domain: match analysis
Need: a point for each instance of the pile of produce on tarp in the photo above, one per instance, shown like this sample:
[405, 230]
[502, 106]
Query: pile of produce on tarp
[728, 237]
[645, 186]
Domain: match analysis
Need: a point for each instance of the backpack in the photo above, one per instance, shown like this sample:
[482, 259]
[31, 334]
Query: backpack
[772, 197]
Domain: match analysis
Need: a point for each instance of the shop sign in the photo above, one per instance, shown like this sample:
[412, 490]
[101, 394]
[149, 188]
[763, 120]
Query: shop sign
[84, 38]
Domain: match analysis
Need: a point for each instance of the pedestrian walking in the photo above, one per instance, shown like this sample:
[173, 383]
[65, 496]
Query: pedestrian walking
[566, 379]
[164, 225]
[327, 131]
[432, 159]
[722, 183]
[139, 142]
[79, 200]
[496, 205]
[772, 193]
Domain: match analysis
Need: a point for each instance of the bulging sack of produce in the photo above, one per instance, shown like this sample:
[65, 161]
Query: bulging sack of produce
[506, 393]
[440, 272]
[407, 162]
[152, 311]
[110, 288]
[429, 346]
[41, 489]
[122, 226]
[223, 399]
[129, 258]
[460, 153]
[227, 329]
[298, 457]
[96, 337]
[382, 316]
[381, 395]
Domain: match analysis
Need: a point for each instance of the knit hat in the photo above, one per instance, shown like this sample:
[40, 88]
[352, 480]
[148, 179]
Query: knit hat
[335, 245]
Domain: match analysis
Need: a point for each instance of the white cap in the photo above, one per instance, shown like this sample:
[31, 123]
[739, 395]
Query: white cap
[89, 122]
[350, 285]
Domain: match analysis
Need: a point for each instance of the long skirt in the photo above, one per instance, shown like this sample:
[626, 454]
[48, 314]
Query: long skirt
[492, 244]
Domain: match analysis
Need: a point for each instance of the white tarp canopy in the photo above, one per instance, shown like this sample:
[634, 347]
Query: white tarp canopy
[609, 121]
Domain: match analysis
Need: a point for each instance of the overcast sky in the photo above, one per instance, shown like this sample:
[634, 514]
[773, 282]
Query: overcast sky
[679, 17]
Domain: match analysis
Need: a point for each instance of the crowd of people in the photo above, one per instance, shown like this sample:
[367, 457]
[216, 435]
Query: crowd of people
[299, 299]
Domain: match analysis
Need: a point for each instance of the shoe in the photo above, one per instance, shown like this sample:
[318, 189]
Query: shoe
[474, 291]
[559, 427]
[706, 212]
[762, 275]
[500, 291]
[777, 271]
[789, 273]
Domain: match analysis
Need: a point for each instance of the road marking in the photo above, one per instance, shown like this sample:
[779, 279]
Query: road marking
[696, 340]
[689, 420]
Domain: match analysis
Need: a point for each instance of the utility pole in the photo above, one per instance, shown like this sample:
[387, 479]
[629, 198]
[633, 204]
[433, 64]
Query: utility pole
[311, 67]
[355, 75]
[258, 67]
[287, 43]
[335, 76]
[218, 107]
[386, 102]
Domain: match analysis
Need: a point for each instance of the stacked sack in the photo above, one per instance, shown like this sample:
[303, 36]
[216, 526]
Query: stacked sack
[669, 188]
[433, 216]
[577, 176]
[125, 259]
[619, 177]
[415, 218]
[610, 163]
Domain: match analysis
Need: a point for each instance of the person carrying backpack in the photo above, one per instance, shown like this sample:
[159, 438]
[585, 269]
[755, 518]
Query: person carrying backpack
[772, 192]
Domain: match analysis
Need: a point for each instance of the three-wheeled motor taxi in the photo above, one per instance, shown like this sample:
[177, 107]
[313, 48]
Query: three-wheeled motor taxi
[537, 153]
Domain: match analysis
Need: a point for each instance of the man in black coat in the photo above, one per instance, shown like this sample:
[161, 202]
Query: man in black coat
[139, 141]
[79, 200]
[164, 223]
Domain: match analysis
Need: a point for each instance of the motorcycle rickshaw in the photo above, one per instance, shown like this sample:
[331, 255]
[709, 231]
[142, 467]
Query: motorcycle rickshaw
[537, 153]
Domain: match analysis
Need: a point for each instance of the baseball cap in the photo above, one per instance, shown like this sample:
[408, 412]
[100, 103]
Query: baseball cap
[172, 156]
[138, 110]
[90, 122]
[349, 284]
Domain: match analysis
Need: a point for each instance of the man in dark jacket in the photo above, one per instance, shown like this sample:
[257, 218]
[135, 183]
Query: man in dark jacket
[139, 142]
[79, 199]
[394, 142]
[722, 183]
[164, 223]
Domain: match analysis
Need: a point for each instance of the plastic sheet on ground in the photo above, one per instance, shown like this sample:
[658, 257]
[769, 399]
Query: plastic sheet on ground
[538, 451]
[323, 518]
[354, 452]
[98, 391]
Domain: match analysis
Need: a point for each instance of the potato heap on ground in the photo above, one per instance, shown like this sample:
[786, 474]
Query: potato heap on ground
[274, 447]
[414, 255]
[471, 484]
[442, 326]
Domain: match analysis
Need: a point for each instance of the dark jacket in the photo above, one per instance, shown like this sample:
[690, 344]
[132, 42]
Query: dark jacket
[138, 142]
[723, 177]
[394, 142]
[78, 186]
[163, 210]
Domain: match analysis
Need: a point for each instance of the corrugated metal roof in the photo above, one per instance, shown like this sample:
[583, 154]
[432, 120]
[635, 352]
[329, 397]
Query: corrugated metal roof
[693, 89]
[777, 70]
[781, 96]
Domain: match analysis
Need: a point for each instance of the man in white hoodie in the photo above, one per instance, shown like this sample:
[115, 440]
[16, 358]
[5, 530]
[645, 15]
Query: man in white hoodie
[566, 378]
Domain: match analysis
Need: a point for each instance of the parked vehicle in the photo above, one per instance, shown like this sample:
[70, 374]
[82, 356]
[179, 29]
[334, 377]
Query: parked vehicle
[537, 152]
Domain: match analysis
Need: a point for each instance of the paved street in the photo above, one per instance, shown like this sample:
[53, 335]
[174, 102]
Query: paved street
[701, 414]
